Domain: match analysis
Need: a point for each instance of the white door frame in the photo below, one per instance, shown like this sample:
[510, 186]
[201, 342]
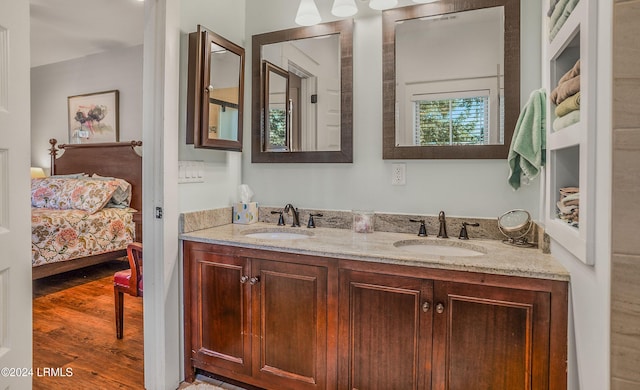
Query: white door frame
[15, 221]
[162, 357]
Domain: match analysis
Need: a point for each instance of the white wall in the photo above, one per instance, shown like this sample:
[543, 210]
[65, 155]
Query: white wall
[459, 187]
[221, 172]
[119, 69]
[589, 325]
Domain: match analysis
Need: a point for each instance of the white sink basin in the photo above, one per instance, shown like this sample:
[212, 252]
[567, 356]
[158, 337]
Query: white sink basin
[277, 234]
[440, 248]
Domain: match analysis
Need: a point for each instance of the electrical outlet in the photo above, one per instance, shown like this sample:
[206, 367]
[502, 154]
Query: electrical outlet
[398, 174]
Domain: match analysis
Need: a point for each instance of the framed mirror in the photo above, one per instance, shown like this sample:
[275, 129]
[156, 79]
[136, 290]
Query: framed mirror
[215, 92]
[451, 79]
[302, 94]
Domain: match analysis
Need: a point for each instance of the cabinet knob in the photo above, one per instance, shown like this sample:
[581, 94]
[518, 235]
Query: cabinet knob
[426, 306]
[439, 308]
[244, 278]
[254, 280]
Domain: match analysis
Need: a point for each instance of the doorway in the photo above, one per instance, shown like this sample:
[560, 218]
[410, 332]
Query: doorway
[84, 55]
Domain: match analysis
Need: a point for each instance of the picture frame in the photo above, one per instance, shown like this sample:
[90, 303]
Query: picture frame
[94, 117]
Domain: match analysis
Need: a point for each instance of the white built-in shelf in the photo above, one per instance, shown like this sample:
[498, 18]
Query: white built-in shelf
[571, 151]
[566, 137]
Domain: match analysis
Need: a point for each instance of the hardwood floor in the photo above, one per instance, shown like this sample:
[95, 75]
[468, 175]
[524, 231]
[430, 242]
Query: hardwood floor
[74, 328]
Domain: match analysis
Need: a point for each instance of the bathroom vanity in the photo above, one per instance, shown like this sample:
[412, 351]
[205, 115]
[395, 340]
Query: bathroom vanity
[297, 308]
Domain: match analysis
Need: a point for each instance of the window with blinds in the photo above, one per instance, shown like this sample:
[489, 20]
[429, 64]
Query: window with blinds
[454, 118]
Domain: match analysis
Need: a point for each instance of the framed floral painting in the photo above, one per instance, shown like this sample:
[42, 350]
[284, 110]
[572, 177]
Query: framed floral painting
[93, 117]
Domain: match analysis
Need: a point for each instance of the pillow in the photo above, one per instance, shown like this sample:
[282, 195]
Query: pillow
[44, 190]
[63, 194]
[70, 176]
[122, 196]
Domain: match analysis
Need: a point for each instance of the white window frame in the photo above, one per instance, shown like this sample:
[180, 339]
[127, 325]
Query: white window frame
[407, 95]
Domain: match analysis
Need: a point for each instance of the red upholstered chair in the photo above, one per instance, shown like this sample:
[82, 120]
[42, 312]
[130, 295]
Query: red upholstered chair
[128, 281]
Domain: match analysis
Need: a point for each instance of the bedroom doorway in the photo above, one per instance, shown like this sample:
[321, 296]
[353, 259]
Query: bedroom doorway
[82, 56]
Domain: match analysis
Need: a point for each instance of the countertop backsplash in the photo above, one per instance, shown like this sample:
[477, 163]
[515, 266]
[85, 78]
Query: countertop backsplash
[204, 219]
[383, 222]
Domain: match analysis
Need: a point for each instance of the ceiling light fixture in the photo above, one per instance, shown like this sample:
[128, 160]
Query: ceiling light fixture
[344, 8]
[308, 14]
[382, 4]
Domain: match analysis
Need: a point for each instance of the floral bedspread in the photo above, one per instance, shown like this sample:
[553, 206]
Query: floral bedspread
[59, 235]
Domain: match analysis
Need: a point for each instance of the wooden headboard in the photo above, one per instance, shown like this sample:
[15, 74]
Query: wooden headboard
[115, 159]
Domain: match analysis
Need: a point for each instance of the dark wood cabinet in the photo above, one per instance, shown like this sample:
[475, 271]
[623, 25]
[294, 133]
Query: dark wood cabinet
[289, 326]
[410, 333]
[219, 311]
[488, 337]
[385, 331]
[259, 321]
[288, 321]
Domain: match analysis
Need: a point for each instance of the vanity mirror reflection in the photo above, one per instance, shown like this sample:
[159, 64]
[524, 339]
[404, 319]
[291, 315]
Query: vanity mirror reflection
[215, 91]
[302, 94]
[451, 79]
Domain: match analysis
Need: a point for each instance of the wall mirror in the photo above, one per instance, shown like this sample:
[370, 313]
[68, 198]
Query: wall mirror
[302, 94]
[215, 91]
[451, 79]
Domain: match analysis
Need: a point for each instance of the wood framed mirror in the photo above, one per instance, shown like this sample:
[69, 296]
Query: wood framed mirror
[215, 92]
[302, 104]
[451, 79]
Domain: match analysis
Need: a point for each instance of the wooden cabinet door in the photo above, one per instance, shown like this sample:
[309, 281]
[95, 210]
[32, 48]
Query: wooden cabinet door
[289, 309]
[384, 332]
[219, 311]
[490, 338]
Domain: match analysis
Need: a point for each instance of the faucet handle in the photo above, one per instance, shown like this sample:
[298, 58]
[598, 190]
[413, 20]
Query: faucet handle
[280, 219]
[463, 231]
[423, 228]
[311, 223]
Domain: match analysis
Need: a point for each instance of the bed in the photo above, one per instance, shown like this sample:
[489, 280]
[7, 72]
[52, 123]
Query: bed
[71, 226]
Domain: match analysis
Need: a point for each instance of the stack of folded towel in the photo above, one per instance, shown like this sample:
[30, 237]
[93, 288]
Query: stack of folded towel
[559, 11]
[566, 97]
[569, 205]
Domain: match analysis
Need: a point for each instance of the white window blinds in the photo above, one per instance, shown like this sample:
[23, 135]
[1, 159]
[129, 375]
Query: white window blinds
[452, 118]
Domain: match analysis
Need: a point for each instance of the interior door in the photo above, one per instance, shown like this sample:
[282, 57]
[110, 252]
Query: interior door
[15, 264]
[329, 114]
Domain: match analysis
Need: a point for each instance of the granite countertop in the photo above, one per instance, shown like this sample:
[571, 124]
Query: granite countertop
[498, 258]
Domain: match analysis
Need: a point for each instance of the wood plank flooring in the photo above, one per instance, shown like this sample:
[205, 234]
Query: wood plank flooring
[74, 327]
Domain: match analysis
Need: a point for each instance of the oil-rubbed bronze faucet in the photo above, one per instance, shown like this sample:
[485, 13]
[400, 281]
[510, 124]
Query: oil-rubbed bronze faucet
[422, 232]
[442, 233]
[312, 224]
[463, 232]
[294, 214]
[280, 218]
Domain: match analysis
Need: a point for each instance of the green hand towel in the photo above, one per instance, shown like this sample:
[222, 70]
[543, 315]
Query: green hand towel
[527, 153]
